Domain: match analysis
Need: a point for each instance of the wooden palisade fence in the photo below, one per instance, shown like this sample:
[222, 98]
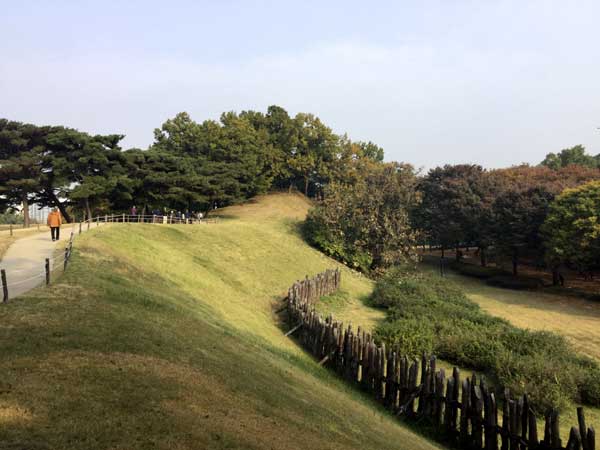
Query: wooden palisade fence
[465, 412]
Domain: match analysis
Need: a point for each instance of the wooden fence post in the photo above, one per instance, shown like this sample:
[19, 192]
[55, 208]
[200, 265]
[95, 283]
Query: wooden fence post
[4, 286]
[66, 257]
[10, 228]
[47, 266]
[79, 227]
[123, 218]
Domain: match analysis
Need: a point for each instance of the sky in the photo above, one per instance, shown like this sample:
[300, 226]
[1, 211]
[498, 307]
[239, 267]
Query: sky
[495, 83]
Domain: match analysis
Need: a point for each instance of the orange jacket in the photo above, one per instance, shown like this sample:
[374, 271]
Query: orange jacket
[54, 219]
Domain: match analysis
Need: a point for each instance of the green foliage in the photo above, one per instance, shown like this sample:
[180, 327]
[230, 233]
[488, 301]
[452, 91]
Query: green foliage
[519, 214]
[590, 391]
[11, 218]
[366, 224]
[572, 228]
[426, 313]
[318, 234]
[472, 270]
[452, 204]
[568, 156]
[190, 166]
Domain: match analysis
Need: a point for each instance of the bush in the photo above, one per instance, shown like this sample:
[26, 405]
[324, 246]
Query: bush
[472, 270]
[517, 283]
[590, 387]
[317, 234]
[427, 313]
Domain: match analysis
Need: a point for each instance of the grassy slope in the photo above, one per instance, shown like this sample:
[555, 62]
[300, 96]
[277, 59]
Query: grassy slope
[166, 337]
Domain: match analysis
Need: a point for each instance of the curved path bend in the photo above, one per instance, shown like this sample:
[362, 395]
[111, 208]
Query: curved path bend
[24, 261]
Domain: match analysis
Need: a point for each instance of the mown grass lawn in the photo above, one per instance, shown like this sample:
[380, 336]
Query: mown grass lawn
[167, 337]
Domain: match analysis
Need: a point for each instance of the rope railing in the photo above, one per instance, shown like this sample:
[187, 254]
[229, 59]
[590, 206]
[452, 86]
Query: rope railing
[54, 263]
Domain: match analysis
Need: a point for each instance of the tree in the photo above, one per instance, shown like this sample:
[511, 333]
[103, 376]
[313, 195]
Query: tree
[572, 228]
[216, 162]
[371, 151]
[367, 224]
[21, 153]
[568, 156]
[312, 158]
[83, 168]
[451, 210]
[518, 216]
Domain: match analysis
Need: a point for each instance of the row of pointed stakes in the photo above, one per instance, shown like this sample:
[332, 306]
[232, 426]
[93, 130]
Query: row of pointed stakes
[465, 412]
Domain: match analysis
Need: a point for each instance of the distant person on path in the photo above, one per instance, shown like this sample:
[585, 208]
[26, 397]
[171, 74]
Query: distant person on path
[133, 211]
[54, 222]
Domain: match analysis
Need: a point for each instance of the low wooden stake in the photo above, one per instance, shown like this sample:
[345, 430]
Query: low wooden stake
[4, 285]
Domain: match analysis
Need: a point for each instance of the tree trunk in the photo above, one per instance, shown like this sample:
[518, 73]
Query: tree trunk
[306, 186]
[442, 251]
[25, 211]
[555, 278]
[457, 256]
[60, 206]
[88, 211]
[482, 256]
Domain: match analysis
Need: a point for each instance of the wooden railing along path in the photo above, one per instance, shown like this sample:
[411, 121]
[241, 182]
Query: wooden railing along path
[50, 265]
[464, 412]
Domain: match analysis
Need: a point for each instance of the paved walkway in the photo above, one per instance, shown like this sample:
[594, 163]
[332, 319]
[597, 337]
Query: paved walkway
[24, 261]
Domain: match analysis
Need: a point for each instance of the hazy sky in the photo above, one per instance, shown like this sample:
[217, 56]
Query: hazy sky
[495, 83]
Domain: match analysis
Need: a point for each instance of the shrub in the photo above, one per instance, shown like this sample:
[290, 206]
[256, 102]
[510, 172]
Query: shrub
[590, 387]
[409, 336]
[517, 283]
[317, 234]
[472, 270]
[426, 313]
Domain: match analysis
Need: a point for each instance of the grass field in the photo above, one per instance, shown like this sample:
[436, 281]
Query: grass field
[166, 337]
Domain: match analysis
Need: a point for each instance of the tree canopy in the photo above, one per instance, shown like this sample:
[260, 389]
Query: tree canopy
[568, 156]
[190, 165]
[572, 228]
[367, 224]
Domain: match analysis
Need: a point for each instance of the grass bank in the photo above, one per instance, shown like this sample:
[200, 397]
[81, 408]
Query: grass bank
[167, 337]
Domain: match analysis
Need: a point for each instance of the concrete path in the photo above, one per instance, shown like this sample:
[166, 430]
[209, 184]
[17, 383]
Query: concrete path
[24, 261]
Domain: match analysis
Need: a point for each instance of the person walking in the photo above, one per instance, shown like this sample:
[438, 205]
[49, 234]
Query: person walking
[54, 222]
[133, 211]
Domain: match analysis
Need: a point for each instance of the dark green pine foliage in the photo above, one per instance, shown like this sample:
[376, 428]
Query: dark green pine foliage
[21, 155]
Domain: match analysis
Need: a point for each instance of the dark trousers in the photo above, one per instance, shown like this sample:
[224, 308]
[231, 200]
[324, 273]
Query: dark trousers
[55, 232]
